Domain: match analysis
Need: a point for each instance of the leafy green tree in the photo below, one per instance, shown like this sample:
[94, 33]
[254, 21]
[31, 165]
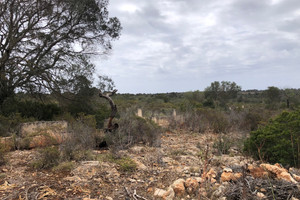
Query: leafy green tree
[44, 43]
[278, 141]
[272, 95]
[222, 92]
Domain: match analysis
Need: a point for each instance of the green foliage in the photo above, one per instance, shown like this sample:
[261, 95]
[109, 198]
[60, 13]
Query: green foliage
[47, 59]
[10, 125]
[222, 92]
[64, 167]
[278, 141]
[125, 164]
[31, 109]
[272, 95]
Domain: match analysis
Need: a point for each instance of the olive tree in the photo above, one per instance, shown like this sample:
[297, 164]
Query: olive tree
[46, 44]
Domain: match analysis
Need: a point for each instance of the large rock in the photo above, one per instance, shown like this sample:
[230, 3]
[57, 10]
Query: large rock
[280, 172]
[42, 133]
[178, 187]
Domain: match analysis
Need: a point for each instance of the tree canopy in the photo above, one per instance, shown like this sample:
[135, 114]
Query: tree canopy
[222, 92]
[45, 45]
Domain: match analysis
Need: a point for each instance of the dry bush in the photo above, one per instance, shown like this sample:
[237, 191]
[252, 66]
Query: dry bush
[2, 152]
[201, 120]
[81, 140]
[132, 130]
[48, 158]
[274, 189]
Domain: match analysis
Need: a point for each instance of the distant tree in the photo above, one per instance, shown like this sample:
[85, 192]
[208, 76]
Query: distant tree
[222, 92]
[45, 43]
[291, 96]
[272, 96]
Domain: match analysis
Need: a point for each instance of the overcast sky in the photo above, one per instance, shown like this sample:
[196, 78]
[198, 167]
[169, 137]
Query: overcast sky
[184, 45]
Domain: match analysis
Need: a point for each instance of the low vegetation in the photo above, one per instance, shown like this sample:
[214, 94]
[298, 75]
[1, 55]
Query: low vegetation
[278, 141]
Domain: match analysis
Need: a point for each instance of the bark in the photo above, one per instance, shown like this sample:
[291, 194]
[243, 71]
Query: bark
[110, 127]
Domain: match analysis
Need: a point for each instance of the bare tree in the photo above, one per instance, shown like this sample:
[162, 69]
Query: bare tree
[110, 127]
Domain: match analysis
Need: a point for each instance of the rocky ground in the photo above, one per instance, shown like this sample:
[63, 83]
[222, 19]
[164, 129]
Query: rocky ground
[186, 166]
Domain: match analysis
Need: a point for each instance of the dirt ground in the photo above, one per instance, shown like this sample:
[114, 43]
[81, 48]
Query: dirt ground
[181, 155]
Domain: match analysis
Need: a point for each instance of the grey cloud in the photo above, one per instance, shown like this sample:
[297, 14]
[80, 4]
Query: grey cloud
[183, 45]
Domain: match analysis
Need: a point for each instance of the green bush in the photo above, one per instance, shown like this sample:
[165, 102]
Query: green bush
[278, 141]
[10, 124]
[64, 167]
[125, 164]
[31, 109]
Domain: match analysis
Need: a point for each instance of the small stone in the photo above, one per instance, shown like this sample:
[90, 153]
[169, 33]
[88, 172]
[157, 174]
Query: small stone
[150, 190]
[132, 180]
[227, 169]
[263, 190]
[261, 195]
[109, 198]
[5, 170]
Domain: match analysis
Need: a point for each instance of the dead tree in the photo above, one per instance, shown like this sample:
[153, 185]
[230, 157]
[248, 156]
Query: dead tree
[110, 127]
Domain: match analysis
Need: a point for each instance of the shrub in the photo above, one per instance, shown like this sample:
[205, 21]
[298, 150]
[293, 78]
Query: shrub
[10, 124]
[82, 138]
[64, 167]
[132, 130]
[218, 121]
[278, 141]
[31, 109]
[2, 152]
[222, 145]
[48, 158]
[126, 164]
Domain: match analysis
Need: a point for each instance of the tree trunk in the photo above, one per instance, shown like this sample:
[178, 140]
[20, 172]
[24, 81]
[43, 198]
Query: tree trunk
[110, 126]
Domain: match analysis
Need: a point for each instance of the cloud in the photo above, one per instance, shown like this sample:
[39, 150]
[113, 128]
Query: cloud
[184, 45]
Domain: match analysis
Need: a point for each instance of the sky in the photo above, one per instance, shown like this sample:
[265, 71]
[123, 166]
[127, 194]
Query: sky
[184, 45]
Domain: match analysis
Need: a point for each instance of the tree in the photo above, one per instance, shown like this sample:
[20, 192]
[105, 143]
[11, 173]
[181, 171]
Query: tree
[278, 141]
[222, 92]
[272, 95]
[45, 43]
